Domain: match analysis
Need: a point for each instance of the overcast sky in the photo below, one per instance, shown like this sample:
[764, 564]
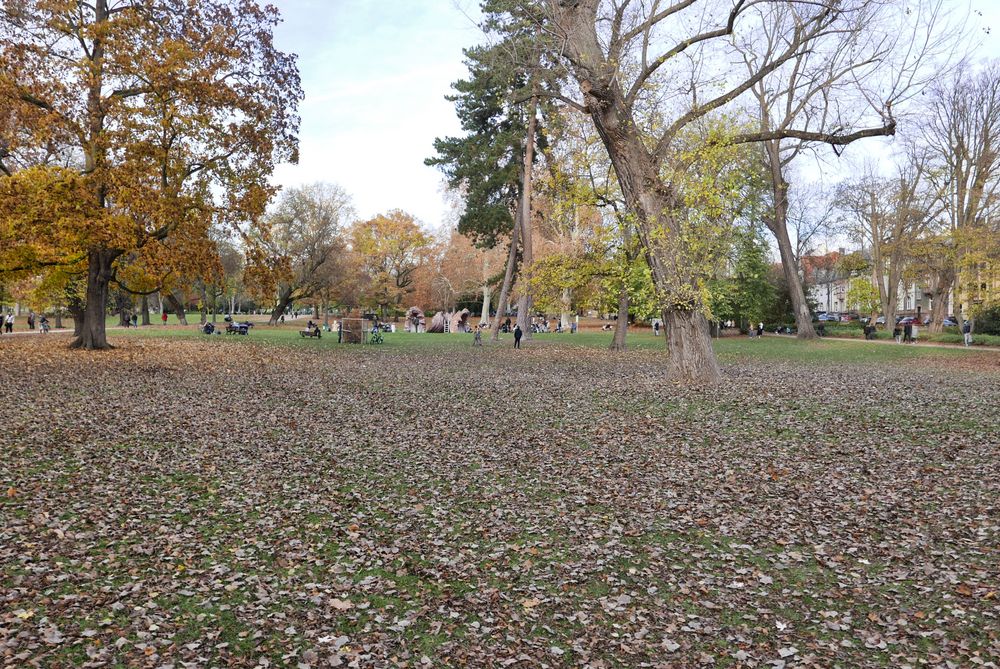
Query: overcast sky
[375, 73]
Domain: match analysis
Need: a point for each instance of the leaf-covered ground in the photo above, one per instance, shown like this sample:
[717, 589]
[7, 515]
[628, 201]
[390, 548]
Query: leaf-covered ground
[193, 503]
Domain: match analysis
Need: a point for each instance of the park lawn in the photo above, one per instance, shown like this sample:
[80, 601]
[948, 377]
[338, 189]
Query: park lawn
[219, 501]
[729, 349]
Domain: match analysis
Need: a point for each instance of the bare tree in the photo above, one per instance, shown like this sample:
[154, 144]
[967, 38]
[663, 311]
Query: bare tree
[826, 96]
[887, 216]
[628, 58]
[962, 129]
[811, 215]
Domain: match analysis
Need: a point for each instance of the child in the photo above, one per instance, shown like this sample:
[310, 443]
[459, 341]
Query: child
[478, 341]
[897, 333]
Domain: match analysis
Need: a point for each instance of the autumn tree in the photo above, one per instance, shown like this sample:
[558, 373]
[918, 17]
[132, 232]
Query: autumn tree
[304, 241]
[390, 248]
[863, 296]
[167, 115]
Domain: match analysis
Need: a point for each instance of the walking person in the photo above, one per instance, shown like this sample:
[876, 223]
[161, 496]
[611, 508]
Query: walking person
[760, 330]
[135, 320]
[908, 333]
[897, 333]
[517, 336]
[164, 318]
[478, 341]
[31, 320]
[9, 321]
[967, 333]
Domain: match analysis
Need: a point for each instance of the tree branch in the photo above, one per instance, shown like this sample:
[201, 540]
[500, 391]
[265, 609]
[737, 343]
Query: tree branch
[651, 68]
[831, 138]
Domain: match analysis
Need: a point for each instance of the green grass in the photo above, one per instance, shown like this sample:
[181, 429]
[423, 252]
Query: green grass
[729, 349]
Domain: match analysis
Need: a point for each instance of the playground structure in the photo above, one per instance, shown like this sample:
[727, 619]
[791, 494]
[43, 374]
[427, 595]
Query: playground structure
[450, 321]
[415, 320]
[354, 330]
[460, 321]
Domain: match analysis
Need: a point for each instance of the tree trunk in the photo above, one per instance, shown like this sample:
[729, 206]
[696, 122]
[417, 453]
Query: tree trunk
[691, 358]
[567, 303]
[939, 305]
[204, 305]
[621, 327]
[123, 316]
[58, 316]
[176, 305]
[689, 341]
[484, 318]
[508, 279]
[284, 297]
[524, 304]
[778, 225]
[90, 329]
[75, 310]
[144, 308]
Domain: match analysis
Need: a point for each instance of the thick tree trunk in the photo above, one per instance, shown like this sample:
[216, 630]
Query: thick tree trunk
[75, 310]
[524, 304]
[689, 341]
[940, 284]
[508, 279]
[123, 315]
[90, 329]
[144, 308]
[283, 299]
[178, 308]
[58, 316]
[691, 358]
[939, 307]
[566, 304]
[621, 327]
[778, 225]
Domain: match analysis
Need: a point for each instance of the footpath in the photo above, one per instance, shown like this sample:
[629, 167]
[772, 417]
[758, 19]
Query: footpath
[890, 342]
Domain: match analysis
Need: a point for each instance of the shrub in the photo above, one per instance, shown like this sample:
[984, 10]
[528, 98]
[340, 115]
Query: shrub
[988, 321]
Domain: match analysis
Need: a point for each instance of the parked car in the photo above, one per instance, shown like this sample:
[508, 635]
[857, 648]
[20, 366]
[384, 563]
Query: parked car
[880, 320]
[847, 318]
[827, 317]
[907, 320]
[949, 321]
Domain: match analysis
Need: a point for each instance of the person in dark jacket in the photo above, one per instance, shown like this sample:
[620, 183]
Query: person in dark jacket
[908, 333]
[967, 333]
[517, 336]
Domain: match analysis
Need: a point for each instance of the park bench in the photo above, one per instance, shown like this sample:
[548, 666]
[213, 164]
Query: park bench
[315, 332]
